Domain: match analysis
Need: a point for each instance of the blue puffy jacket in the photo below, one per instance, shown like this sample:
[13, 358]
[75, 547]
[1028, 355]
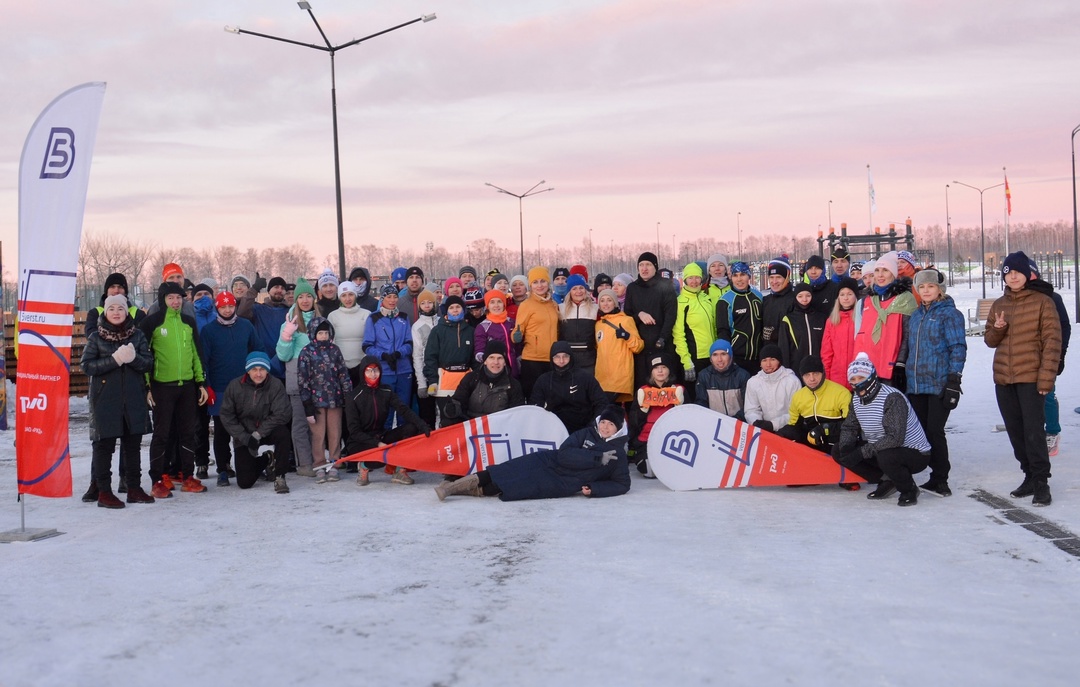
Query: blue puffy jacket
[935, 346]
[392, 336]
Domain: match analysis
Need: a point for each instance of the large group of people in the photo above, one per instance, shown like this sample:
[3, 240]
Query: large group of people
[863, 361]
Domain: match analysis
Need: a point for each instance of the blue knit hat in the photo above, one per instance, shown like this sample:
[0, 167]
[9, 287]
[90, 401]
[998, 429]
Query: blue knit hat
[739, 267]
[576, 280]
[1016, 262]
[257, 359]
[720, 345]
[398, 274]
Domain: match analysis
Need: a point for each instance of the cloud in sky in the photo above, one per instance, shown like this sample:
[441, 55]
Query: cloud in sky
[679, 111]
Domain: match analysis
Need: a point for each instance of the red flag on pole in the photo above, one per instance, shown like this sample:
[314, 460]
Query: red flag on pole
[1008, 197]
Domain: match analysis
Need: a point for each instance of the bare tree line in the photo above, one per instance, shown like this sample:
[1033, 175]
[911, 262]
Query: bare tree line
[141, 260]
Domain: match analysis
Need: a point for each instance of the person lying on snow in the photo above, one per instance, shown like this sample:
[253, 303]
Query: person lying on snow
[592, 462]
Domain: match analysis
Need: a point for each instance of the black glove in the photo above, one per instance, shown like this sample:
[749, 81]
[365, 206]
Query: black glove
[660, 342]
[899, 379]
[425, 428]
[621, 333]
[253, 444]
[396, 355]
[764, 424]
[452, 409]
[259, 284]
[816, 436]
[387, 357]
[951, 393]
[310, 410]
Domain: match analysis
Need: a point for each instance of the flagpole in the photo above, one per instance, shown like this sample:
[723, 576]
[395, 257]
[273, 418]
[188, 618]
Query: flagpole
[870, 197]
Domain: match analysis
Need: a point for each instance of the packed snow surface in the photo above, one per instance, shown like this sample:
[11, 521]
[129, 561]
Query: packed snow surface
[385, 585]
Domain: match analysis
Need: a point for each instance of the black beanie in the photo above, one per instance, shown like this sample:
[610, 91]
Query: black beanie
[802, 286]
[276, 281]
[168, 287]
[771, 350]
[116, 279]
[649, 257]
[614, 415]
[452, 300]
[811, 363]
[494, 347]
[814, 261]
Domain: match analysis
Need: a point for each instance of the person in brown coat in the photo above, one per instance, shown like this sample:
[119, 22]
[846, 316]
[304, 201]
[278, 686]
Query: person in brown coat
[1025, 332]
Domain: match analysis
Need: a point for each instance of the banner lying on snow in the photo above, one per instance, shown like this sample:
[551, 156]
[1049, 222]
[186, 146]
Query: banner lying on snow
[473, 445]
[691, 447]
[53, 176]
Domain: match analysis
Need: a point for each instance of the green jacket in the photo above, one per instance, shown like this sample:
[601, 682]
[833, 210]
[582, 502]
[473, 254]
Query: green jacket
[174, 342]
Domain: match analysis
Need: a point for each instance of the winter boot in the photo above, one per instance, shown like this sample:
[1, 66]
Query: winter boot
[402, 477]
[160, 490]
[137, 495]
[1026, 488]
[223, 479]
[280, 487]
[202, 472]
[466, 486]
[885, 489]
[91, 494]
[106, 499]
[1041, 494]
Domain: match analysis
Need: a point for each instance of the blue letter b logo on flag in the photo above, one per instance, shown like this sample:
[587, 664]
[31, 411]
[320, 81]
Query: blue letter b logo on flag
[59, 153]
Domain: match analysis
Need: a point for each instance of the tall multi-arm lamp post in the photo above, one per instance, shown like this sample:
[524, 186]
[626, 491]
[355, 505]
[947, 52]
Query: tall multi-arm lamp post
[521, 217]
[982, 226]
[331, 49]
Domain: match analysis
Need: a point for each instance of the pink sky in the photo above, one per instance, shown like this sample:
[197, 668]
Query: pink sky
[637, 112]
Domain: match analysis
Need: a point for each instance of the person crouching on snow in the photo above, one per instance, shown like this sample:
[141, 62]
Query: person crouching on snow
[881, 438]
[255, 411]
[366, 410]
[592, 462]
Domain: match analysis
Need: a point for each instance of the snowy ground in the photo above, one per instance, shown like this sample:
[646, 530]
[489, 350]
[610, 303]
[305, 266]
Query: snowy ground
[334, 584]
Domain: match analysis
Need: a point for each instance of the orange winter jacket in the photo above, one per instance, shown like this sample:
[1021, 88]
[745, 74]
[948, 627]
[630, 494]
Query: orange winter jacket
[1028, 348]
[615, 356]
[538, 322]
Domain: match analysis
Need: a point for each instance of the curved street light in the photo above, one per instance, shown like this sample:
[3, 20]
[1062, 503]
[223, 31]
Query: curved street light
[331, 49]
[982, 226]
[521, 220]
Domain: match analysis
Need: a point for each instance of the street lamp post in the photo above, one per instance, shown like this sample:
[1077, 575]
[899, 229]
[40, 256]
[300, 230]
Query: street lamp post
[331, 49]
[830, 215]
[982, 226]
[1076, 227]
[521, 221]
[539, 261]
[658, 241]
[738, 232]
[948, 232]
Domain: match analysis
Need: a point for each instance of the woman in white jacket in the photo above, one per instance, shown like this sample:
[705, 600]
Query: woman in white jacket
[769, 392]
[350, 321]
[421, 330]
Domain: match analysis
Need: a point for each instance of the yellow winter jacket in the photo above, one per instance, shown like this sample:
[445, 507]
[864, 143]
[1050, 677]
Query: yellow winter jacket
[615, 356]
[830, 402]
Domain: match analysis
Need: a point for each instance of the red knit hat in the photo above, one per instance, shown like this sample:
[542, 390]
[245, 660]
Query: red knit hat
[224, 298]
